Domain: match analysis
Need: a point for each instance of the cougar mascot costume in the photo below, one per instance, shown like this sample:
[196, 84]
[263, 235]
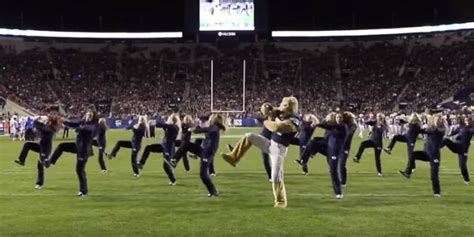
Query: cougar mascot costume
[283, 122]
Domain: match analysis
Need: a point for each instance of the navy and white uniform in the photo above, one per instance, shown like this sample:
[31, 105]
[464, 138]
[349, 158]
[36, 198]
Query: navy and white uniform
[207, 150]
[409, 138]
[431, 153]
[314, 146]
[135, 144]
[43, 148]
[85, 132]
[167, 147]
[375, 141]
[101, 143]
[346, 149]
[460, 146]
[336, 137]
[184, 141]
[305, 132]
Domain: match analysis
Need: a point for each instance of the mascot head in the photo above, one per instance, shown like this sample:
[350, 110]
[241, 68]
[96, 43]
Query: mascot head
[288, 106]
[266, 109]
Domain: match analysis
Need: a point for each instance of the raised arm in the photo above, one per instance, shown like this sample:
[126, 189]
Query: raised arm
[371, 123]
[73, 123]
[455, 131]
[42, 127]
[199, 129]
[331, 126]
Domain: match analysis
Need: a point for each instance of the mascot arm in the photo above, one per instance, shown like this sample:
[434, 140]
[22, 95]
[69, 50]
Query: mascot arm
[285, 126]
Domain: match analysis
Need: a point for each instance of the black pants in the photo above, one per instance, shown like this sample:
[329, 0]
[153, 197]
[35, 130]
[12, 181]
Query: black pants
[32, 146]
[152, 131]
[205, 167]
[410, 147]
[212, 170]
[127, 144]
[69, 147]
[29, 135]
[434, 163]
[101, 154]
[194, 148]
[333, 161]
[377, 151]
[462, 156]
[182, 155]
[316, 145]
[204, 173]
[66, 133]
[81, 174]
[167, 155]
[342, 166]
[395, 139]
[158, 148]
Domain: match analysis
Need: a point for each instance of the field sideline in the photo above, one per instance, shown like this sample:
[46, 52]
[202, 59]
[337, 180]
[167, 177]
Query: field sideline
[122, 205]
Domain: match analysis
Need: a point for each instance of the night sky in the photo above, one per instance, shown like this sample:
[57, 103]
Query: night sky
[170, 15]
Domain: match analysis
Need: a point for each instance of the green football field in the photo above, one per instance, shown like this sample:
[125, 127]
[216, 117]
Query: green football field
[122, 205]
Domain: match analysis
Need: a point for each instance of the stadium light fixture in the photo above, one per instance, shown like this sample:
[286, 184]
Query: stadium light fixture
[374, 32]
[89, 35]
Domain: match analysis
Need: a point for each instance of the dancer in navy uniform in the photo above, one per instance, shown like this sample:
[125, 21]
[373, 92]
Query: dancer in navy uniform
[431, 153]
[47, 126]
[314, 146]
[186, 127]
[139, 130]
[461, 144]
[86, 129]
[101, 143]
[305, 132]
[414, 129]
[337, 133]
[351, 126]
[171, 129]
[70, 147]
[207, 150]
[376, 141]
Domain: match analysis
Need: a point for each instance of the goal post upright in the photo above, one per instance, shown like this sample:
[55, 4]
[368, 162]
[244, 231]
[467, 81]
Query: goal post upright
[212, 85]
[243, 90]
[243, 85]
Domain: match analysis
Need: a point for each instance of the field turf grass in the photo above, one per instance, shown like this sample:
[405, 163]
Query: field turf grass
[122, 205]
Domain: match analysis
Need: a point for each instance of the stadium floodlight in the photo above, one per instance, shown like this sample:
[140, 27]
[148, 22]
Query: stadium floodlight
[374, 32]
[89, 35]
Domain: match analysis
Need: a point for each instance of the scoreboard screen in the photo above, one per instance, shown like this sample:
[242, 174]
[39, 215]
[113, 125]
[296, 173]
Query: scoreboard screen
[226, 15]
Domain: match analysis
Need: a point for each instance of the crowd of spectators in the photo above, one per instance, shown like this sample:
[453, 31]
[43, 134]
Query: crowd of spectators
[370, 76]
